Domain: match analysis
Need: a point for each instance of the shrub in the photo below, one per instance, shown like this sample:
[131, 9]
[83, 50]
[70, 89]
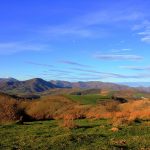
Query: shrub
[133, 111]
[98, 112]
[68, 122]
[8, 110]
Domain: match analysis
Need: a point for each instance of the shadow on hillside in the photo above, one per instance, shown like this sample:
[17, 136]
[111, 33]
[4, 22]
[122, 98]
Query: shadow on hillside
[87, 126]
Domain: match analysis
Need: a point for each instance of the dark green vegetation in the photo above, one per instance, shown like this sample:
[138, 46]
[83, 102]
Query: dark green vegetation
[89, 135]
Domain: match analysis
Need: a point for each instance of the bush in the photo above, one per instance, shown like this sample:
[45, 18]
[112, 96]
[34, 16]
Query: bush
[68, 122]
[133, 111]
[8, 110]
[12, 109]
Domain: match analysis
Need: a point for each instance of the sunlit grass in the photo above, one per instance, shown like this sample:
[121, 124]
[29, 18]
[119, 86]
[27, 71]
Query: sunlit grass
[90, 134]
[88, 99]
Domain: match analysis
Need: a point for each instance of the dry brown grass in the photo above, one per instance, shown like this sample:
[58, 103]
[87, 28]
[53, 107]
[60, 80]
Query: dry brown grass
[68, 122]
[132, 111]
[97, 112]
[59, 107]
[114, 129]
[12, 109]
[8, 109]
[52, 107]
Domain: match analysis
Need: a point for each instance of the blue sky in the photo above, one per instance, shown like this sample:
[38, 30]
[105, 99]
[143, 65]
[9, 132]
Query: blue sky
[75, 40]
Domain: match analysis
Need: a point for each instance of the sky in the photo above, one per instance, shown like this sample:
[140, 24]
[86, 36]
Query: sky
[75, 40]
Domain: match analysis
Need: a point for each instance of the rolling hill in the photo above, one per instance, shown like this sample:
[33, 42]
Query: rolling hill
[38, 86]
[35, 85]
[90, 85]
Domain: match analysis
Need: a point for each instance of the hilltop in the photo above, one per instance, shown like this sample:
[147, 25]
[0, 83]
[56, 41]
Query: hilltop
[29, 86]
[38, 86]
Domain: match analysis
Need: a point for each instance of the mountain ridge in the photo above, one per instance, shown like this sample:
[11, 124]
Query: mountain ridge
[89, 85]
[37, 85]
[34, 85]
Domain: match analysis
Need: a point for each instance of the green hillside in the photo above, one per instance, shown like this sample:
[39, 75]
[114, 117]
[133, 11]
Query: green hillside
[90, 135]
[88, 99]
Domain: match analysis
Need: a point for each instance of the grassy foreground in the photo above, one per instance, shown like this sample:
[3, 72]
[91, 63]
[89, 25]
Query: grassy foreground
[89, 135]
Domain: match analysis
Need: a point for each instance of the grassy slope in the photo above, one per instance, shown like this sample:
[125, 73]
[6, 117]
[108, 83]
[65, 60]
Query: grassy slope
[88, 99]
[89, 135]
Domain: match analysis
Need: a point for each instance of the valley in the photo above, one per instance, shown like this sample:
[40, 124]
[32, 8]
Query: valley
[72, 118]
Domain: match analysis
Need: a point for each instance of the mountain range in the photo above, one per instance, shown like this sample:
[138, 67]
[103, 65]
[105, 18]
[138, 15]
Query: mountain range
[136, 84]
[89, 85]
[29, 86]
[37, 85]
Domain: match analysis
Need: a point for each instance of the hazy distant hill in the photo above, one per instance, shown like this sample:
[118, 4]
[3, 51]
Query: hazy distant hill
[7, 80]
[62, 84]
[145, 89]
[37, 85]
[136, 84]
[141, 86]
[90, 85]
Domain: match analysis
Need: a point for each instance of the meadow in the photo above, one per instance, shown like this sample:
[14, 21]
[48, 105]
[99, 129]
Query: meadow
[89, 134]
[74, 122]
[88, 99]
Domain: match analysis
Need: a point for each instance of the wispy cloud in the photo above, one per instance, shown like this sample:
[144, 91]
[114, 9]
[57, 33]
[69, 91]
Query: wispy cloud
[141, 76]
[38, 64]
[118, 57]
[121, 50]
[145, 36]
[52, 75]
[136, 67]
[89, 75]
[83, 78]
[143, 31]
[113, 75]
[105, 74]
[88, 70]
[73, 63]
[107, 16]
[60, 71]
[67, 30]
[81, 26]
[13, 47]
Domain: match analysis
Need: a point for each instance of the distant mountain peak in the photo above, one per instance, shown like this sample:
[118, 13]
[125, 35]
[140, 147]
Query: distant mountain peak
[36, 85]
[36, 80]
[8, 79]
[29, 86]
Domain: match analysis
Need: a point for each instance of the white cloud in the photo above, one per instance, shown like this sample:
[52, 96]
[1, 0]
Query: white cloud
[146, 39]
[81, 25]
[13, 47]
[105, 74]
[145, 33]
[121, 50]
[118, 57]
[73, 63]
[136, 67]
[38, 64]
